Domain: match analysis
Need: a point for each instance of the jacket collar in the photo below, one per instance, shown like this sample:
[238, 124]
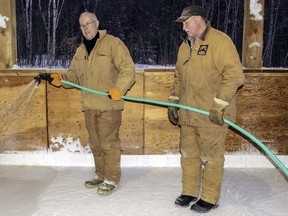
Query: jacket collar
[102, 33]
[89, 45]
[203, 35]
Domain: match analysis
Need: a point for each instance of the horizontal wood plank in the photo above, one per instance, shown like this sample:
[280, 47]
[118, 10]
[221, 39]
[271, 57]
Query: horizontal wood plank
[261, 103]
[160, 136]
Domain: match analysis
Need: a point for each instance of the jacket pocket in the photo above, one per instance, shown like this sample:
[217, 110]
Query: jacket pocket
[80, 62]
[102, 70]
[103, 61]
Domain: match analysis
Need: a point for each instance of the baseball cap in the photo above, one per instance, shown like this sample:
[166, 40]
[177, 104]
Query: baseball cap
[192, 10]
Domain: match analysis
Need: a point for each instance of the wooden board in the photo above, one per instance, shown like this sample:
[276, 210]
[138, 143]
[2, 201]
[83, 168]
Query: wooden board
[132, 127]
[263, 111]
[160, 136]
[66, 124]
[23, 120]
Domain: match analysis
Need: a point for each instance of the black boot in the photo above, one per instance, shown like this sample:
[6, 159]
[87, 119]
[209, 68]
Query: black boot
[203, 207]
[185, 200]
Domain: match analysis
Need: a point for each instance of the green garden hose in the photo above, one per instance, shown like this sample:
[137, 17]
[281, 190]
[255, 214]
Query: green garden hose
[241, 130]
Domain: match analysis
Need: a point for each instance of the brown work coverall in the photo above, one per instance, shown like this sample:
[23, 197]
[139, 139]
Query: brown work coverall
[108, 65]
[211, 68]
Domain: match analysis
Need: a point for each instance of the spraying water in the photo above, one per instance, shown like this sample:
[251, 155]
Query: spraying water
[13, 114]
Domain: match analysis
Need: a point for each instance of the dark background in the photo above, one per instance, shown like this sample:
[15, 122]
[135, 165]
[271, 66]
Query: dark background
[147, 27]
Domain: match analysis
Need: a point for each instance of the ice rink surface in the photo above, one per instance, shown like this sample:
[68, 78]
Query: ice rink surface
[59, 191]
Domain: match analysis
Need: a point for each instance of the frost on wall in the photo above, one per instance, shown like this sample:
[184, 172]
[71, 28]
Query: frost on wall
[3, 20]
[254, 44]
[255, 9]
[63, 143]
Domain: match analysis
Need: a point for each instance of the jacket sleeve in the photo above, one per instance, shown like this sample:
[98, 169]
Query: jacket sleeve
[231, 69]
[176, 83]
[71, 74]
[125, 65]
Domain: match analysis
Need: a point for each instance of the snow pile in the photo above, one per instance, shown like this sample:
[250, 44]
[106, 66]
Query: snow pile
[255, 9]
[3, 20]
[67, 144]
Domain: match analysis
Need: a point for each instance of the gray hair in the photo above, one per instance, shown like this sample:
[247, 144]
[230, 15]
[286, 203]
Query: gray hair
[91, 15]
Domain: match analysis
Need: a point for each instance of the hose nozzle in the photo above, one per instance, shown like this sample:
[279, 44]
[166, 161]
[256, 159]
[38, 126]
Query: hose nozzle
[43, 76]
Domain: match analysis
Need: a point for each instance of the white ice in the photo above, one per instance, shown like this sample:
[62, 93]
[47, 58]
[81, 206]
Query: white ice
[59, 191]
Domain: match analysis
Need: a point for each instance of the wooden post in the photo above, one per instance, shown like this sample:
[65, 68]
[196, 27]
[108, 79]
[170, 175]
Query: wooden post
[8, 47]
[253, 33]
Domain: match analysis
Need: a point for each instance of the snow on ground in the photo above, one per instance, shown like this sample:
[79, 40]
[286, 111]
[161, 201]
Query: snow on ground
[146, 191]
[137, 66]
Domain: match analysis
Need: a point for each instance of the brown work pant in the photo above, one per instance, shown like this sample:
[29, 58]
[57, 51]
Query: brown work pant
[202, 147]
[103, 129]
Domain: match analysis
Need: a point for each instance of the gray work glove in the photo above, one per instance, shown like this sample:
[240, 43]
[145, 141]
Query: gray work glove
[173, 114]
[217, 111]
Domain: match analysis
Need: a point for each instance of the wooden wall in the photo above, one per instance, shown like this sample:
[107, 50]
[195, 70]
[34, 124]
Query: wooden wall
[22, 124]
[262, 106]
[55, 115]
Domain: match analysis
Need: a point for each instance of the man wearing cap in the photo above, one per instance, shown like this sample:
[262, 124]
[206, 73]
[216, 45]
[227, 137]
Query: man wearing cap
[207, 75]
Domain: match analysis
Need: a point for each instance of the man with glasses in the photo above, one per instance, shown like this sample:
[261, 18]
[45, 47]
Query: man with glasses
[102, 62]
[207, 75]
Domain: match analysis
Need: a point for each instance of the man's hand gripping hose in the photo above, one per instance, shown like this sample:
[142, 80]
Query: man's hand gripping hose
[53, 79]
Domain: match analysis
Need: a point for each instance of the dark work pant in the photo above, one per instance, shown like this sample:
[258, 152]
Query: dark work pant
[103, 129]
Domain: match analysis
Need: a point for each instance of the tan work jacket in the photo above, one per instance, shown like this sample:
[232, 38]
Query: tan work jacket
[212, 68]
[108, 65]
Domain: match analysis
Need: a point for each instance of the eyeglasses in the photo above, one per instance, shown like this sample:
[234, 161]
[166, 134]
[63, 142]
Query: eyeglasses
[88, 24]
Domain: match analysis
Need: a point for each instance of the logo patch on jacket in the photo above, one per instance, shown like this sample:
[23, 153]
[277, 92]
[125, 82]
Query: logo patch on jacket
[202, 50]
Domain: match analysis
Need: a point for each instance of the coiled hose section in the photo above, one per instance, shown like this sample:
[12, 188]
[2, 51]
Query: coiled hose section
[143, 100]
